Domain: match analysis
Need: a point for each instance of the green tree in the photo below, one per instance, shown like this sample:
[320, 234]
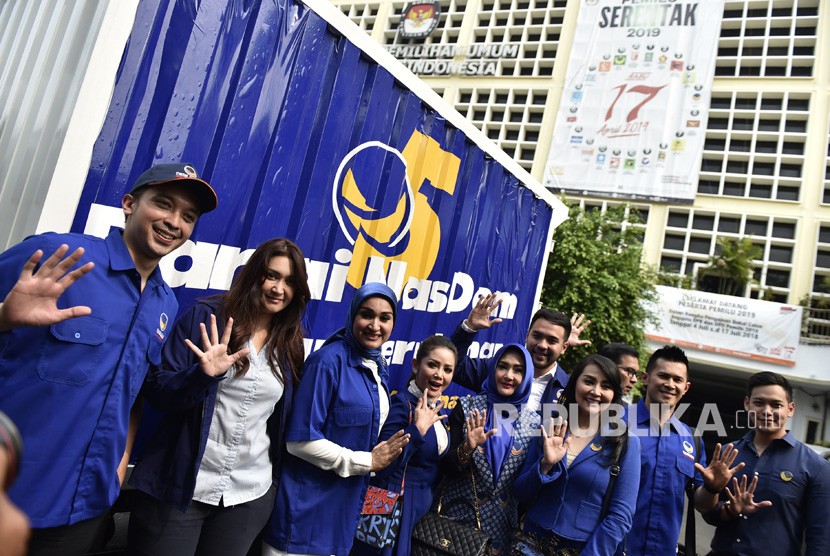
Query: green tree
[595, 268]
[730, 270]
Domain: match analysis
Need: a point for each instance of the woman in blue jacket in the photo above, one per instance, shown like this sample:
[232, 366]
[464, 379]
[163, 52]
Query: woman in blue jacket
[568, 471]
[417, 410]
[208, 476]
[339, 409]
[489, 437]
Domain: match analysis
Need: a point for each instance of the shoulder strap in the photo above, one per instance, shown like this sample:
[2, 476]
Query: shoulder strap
[614, 472]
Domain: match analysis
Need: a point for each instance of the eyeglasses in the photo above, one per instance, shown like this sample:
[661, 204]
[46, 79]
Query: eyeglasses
[634, 374]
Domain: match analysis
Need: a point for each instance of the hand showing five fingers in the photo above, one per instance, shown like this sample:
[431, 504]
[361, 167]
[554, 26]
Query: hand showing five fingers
[479, 317]
[426, 416]
[717, 474]
[33, 301]
[554, 444]
[475, 430]
[385, 452]
[578, 326]
[742, 500]
[214, 357]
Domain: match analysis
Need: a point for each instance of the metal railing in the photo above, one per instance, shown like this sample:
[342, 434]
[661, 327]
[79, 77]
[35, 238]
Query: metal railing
[815, 326]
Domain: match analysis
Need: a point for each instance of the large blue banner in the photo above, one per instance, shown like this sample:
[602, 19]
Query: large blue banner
[304, 136]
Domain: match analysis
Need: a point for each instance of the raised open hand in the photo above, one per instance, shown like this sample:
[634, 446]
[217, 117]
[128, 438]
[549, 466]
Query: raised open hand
[717, 474]
[554, 445]
[215, 359]
[385, 452]
[481, 312]
[426, 416]
[33, 301]
[578, 326]
[743, 502]
[475, 430]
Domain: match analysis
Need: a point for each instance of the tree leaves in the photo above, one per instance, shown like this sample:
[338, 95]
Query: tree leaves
[596, 269]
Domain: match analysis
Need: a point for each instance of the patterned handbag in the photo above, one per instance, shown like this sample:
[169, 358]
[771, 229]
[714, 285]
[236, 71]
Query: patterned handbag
[380, 518]
[437, 535]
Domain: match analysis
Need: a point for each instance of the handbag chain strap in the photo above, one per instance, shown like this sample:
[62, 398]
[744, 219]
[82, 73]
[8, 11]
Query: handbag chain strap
[475, 498]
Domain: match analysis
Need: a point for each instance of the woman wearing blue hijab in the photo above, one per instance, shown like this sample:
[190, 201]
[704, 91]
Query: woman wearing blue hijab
[489, 437]
[332, 435]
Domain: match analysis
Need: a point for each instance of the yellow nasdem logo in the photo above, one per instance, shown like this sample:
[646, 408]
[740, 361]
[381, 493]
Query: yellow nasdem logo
[382, 203]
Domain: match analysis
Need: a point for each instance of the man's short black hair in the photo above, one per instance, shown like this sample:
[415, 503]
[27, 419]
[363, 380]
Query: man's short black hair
[615, 352]
[554, 317]
[768, 378]
[668, 353]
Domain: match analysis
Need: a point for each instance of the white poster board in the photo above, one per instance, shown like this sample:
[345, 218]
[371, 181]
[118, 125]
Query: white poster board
[633, 113]
[737, 326]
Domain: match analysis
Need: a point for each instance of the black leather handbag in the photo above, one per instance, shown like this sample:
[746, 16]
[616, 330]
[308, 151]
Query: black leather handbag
[438, 535]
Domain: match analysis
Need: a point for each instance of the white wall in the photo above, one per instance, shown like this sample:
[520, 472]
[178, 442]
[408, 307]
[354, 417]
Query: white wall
[58, 62]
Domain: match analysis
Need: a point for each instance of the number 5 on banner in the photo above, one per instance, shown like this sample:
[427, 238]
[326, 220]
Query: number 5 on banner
[641, 89]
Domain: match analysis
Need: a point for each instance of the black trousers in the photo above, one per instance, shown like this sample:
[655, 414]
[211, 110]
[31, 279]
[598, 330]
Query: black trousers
[66, 540]
[159, 529]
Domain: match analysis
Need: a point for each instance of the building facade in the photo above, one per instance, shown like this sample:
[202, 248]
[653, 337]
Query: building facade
[765, 170]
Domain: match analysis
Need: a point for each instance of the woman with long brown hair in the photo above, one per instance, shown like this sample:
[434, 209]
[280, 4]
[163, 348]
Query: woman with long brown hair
[207, 478]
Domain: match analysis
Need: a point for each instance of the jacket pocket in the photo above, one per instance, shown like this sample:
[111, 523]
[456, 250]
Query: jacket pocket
[154, 351]
[353, 416]
[587, 517]
[73, 350]
[153, 359]
[782, 487]
[686, 467]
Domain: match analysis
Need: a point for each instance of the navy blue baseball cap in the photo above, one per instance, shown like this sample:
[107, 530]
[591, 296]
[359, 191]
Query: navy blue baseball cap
[180, 173]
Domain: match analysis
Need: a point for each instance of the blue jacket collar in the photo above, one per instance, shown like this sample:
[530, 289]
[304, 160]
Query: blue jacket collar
[121, 260]
[644, 417]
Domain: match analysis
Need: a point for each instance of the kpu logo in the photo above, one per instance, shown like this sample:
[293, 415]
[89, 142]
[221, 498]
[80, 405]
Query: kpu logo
[419, 19]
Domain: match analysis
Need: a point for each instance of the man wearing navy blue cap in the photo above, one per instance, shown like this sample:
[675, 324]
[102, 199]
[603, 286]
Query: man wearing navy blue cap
[72, 359]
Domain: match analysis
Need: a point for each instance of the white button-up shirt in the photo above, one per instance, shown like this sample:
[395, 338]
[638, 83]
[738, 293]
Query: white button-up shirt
[236, 466]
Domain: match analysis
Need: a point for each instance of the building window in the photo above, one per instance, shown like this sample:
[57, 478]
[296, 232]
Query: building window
[512, 118]
[813, 431]
[691, 239]
[771, 38]
[826, 197]
[364, 14]
[533, 27]
[755, 145]
[821, 273]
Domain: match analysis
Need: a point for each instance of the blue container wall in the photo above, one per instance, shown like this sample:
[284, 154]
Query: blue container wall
[304, 136]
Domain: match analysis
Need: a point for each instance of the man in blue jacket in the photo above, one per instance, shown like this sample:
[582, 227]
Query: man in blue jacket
[549, 336]
[669, 458]
[73, 354]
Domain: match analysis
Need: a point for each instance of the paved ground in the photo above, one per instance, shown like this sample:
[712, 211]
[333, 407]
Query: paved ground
[703, 533]
[116, 546]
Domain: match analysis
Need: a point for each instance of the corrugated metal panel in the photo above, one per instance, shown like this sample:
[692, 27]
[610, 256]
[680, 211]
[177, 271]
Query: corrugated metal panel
[45, 46]
[296, 126]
